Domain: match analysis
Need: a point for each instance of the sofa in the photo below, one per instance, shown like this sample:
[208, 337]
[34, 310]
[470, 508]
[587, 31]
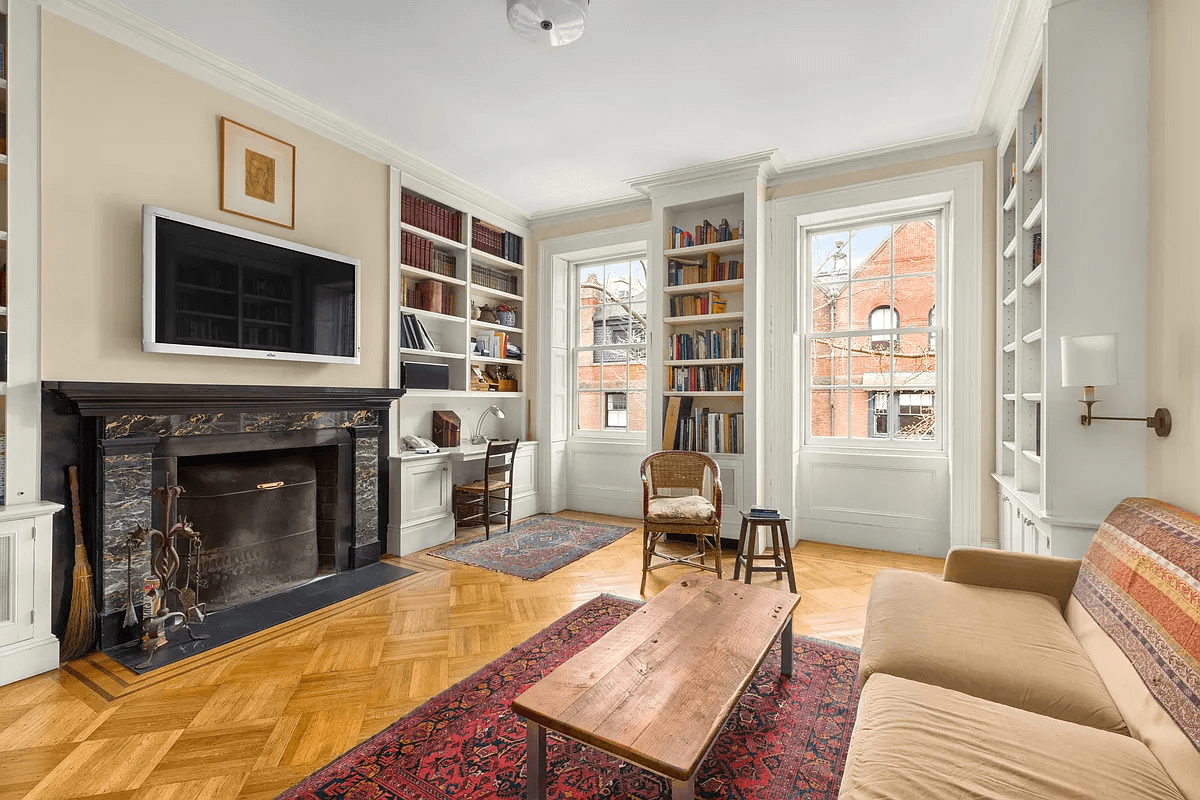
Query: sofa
[1021, 676]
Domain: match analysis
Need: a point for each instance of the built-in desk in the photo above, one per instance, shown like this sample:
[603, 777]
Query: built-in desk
[422, 492]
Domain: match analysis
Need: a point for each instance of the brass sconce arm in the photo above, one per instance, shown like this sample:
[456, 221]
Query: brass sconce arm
[1160, 422]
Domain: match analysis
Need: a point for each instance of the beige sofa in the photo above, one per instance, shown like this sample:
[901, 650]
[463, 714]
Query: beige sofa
[996, 681]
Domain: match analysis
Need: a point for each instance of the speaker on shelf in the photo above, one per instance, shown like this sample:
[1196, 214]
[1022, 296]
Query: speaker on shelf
[419, 375]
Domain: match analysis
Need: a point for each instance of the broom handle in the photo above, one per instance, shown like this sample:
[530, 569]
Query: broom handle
[73, 476]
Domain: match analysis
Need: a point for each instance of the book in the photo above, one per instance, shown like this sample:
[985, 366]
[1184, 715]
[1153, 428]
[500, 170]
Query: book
[670, 422]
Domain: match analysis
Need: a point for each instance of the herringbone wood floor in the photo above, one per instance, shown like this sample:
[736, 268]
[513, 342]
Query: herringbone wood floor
[252, 718]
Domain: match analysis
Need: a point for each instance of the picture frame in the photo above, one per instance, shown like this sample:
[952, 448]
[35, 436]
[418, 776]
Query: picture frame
[258, 175]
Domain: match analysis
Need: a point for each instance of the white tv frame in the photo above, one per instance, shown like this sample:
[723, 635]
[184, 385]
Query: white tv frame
[150, 291]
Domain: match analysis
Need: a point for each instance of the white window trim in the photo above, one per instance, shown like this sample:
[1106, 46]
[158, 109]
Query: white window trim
[915, 212]
[962, 187]
[605, 434]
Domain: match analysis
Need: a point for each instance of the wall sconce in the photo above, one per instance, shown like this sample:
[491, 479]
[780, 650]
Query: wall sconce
[1091, 361]
[479, 438]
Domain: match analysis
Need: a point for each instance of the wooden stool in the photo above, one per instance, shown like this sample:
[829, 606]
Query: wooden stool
[745, 549]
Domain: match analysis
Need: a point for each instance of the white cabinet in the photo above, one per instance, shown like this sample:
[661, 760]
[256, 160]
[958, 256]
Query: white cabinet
[525, 495]
[27, 646]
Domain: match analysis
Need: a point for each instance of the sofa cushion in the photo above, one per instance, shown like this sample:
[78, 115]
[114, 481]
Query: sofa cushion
[1006, 646]
[1140, 581]
[692, 508]
[912, 740]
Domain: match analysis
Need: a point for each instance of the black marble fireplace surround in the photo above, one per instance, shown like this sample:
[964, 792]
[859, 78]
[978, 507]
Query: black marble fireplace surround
[131, 438]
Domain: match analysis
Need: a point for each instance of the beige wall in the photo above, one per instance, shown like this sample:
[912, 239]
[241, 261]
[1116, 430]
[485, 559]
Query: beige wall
[121, 130]
[1172, 464]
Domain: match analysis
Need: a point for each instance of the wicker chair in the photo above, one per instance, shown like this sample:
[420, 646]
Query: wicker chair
[665, 510]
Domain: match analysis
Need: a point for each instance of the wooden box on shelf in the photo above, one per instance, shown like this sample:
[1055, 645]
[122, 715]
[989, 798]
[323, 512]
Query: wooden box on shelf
[447, 429]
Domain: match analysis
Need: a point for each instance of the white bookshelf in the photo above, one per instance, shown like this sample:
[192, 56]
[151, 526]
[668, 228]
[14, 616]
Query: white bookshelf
[454, 332]
[1078, 192]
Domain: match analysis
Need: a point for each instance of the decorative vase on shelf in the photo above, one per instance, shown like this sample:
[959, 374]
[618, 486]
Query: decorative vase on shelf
[506, 317]
[474, 311]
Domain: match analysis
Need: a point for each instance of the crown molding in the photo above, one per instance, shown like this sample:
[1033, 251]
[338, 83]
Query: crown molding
[1006, 16]
[116, 22]
[762, 165]
[1019, 48]
[890, 155]
[593, 210]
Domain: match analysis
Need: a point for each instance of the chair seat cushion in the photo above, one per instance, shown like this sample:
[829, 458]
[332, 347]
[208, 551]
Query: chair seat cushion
[478, 486]
[1006, 646]
[691, 509]
[912, 740]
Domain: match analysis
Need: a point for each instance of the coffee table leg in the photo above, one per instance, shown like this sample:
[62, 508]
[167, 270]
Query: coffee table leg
[535, 762]
[683, 790]
[785, 647]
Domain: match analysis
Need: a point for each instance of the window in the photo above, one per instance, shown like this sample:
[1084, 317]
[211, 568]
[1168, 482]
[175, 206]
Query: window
[610, 346]
[872, 329]
[616, 409]
[883, 318]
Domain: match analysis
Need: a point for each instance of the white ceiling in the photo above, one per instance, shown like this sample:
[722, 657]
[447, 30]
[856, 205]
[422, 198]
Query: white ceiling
[653, 85]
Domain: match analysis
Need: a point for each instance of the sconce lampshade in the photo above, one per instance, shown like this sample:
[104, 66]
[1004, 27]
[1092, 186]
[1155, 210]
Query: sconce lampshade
[1089, 360]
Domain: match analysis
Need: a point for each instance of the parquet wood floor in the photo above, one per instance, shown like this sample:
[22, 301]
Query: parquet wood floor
[250, 719]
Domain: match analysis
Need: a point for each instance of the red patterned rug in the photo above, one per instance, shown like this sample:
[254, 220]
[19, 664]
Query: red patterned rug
[786, 739]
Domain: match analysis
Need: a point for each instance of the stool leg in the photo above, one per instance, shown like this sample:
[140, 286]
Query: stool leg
[787, 557]
[776, 561]
[751, 538]
[737, 557]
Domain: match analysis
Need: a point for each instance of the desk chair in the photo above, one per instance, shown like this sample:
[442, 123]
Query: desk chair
[496, 487]
[697, 513]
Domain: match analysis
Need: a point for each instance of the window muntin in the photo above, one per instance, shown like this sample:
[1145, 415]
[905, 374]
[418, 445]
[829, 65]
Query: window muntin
[872, 330]
[610, 346]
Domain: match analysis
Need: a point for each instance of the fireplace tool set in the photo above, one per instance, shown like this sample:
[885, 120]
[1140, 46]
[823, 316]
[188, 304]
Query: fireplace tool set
[171, 601]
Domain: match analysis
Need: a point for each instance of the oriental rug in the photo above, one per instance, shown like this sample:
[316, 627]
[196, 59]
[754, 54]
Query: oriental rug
[535, 547]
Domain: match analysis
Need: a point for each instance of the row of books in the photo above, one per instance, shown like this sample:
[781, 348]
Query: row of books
[683, 273]
[496, 279]
[701, 430]
[710, 343]
[497, 345]
[687, 305]
[413, 334]
[705, 233]
[418, 252]
[722, 378]
[430, 216]
[1037, 250]
[500, 243]
[428, 295]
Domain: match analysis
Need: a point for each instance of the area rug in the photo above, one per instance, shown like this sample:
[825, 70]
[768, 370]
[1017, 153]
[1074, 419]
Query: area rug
[535, 547]
[786, 739]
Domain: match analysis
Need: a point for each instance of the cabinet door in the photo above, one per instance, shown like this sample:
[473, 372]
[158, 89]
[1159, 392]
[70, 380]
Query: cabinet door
[425, 491]
[16, 581]
[524, 471]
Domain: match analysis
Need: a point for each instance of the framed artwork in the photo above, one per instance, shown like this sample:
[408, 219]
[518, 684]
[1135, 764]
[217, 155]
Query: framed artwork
[258, 175]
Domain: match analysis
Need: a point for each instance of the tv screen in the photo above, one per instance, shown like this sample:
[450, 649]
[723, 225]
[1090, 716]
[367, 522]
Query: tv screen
[212, 289]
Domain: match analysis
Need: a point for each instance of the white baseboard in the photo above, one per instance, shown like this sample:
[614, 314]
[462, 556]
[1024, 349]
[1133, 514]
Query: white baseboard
[29, 658]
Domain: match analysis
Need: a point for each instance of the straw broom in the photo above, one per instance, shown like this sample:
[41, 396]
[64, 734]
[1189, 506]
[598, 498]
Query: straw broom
[80, 633]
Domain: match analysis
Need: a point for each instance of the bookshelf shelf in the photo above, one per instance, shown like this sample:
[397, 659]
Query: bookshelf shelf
[1011, 347]
[496, 293]
[1011, 298]
[1032, 456]
[1032, 336]
[699, 250]
[1012, 398]
[703, 394]
[1033, 397]
[1034, 219]
[440, 241]
[1034, 162]
[1011, 200]
[1011, 248]
[412, 351]
[1011, 446]
[702, 362]
[424, 274]
[1033, 277]
[734, 286]
[491, 326]
[511, 362]
[699, 319]
[487, 259]
[420, 312]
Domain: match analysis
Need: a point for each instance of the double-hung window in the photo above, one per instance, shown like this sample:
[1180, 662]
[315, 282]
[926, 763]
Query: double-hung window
[610, 346]
[871, 330]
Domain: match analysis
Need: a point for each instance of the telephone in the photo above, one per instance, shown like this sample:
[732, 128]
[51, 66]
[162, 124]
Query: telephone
[419, 444]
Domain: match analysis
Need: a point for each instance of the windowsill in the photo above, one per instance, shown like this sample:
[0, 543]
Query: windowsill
[860, 447]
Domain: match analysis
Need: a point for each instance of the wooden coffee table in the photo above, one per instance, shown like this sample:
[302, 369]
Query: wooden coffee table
[656, 689]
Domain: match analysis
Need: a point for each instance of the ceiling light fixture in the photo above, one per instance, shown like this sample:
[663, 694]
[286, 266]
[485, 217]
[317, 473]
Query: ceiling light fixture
[548, 22]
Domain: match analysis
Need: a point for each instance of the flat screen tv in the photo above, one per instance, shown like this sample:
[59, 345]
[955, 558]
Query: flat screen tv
[212, 289]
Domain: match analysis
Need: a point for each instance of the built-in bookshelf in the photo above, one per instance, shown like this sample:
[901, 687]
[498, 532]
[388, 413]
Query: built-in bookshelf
[1071, 259]
[461, 288]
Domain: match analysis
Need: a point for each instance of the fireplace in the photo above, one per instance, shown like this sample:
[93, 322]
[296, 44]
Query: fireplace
[284, 484]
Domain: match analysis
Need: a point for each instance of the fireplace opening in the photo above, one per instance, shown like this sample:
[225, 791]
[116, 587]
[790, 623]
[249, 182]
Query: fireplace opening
[261, 520]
